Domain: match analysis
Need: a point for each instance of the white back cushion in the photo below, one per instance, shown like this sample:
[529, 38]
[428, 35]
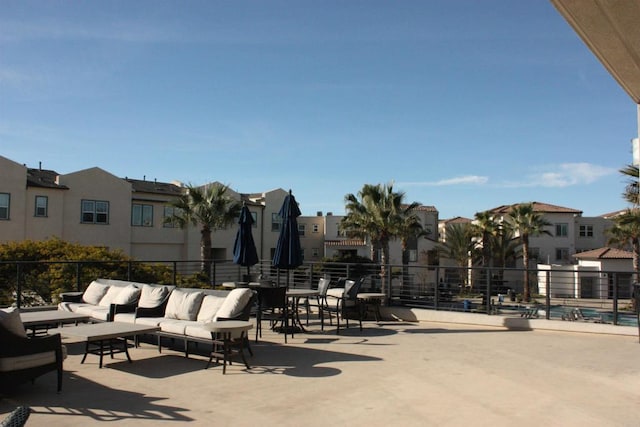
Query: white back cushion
[111, 294]
[152, 296]
[183, 305]
[94, 293]
[209, 307]
[128, 295]
[234, 303]
[10, 319]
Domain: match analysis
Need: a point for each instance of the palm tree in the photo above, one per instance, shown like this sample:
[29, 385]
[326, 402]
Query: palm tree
[524, 222]
[631, 193]
[625, 234]
[379, 214]
[410, 227]
[459, 245]
[208, 207]
[486, 227]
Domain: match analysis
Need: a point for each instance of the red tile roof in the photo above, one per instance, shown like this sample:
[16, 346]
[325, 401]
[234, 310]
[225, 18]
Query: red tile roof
[537, 207]
[604, 253]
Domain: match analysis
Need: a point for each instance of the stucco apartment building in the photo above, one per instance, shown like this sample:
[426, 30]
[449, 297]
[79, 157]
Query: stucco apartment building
[94, 207]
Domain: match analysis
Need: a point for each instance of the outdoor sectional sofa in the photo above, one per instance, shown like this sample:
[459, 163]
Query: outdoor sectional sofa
[104, 298]
[188, 309]
[180, 313]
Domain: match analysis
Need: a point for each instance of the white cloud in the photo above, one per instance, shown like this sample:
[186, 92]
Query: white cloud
[459, 180]
[563, 175]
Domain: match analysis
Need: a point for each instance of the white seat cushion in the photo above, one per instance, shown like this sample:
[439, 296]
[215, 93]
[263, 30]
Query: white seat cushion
[27, 361]
[197, 331]
[72, 306]
[176, 326]
[125, 317]
[335, 292]
[234, 303]
[151, 321]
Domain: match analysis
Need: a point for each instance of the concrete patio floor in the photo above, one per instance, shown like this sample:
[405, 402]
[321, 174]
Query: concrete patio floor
[392, 373]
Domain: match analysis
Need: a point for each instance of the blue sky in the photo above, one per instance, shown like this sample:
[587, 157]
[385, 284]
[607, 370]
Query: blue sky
[464, 105]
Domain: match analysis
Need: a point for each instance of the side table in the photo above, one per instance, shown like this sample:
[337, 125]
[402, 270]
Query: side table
[224, 343]
[372, 299]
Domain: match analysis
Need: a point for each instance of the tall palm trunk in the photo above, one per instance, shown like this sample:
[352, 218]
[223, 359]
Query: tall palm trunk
[384, 257]
[205, 250]
[525, 262]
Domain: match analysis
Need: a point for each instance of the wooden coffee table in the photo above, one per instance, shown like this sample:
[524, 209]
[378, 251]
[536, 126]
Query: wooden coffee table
[107, 337]
[44, 319]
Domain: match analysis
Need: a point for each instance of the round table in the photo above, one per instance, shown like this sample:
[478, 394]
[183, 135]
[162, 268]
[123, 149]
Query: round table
[224, 345]
[295, 295]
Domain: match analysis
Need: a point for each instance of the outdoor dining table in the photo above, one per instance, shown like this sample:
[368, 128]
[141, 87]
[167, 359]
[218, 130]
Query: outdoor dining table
[296, 295]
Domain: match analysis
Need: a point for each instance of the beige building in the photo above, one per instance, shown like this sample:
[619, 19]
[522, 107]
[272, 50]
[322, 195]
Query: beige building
[94, 207]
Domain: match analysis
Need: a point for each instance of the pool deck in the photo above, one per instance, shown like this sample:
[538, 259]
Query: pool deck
[429, 372]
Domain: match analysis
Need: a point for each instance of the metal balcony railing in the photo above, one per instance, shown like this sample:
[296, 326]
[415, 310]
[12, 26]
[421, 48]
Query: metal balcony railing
[562, 293]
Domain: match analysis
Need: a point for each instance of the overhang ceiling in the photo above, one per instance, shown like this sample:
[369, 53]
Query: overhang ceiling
[611, 29]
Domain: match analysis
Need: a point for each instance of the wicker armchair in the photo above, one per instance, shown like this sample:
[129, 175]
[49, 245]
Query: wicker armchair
[24, 359]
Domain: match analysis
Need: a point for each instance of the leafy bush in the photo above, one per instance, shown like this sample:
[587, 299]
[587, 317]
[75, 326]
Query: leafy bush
[47, 268]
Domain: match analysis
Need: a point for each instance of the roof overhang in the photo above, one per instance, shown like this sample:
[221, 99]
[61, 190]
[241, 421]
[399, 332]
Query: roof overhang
[611, 29]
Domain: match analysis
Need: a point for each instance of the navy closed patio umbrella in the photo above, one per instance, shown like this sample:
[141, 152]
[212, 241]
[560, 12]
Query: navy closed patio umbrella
[244, 248]
[288, 255]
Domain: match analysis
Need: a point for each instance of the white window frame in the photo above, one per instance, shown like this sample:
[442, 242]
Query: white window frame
[276, 222]
[562, 229]
[141, 215]
[40, 210]
[98, 209]
[5, 205]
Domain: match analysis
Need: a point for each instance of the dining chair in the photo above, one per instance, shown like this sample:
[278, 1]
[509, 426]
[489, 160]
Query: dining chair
[273, 306]
[346, 304]
[320, 300]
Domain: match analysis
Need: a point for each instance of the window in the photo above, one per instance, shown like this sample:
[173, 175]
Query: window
[169, 212]
[586, 231]
[142, 215]
[42, 203]
[95, 212]
[301, 229]
[562, 254]
[315, 252]
[413, 255]
[254, 216]
[315, 228]
[562, 230]
[534, 253]
[275, 222]
[4, 205]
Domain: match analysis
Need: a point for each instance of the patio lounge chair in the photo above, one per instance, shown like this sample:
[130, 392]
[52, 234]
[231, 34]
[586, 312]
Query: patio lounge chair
[530, 313]
[23, 358]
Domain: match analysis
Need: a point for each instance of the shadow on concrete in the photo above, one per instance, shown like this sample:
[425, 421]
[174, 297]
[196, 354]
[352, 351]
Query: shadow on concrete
[162, 366]
[286, 359]
[455, 331]
[90, 400]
